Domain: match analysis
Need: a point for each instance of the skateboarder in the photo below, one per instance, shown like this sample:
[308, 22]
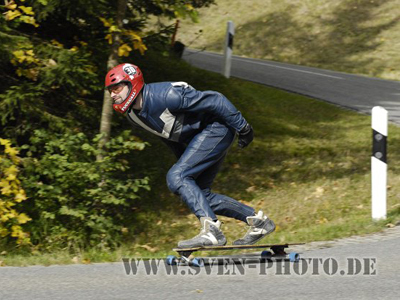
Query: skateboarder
[199, 127]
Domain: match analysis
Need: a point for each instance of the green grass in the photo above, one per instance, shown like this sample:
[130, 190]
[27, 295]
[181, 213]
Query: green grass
[355, 36]
[308, 169]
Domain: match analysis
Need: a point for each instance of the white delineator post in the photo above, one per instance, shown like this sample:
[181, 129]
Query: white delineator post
[379, 162]
[230, 32]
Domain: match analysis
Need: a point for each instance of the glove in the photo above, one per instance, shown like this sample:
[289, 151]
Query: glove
[245, 136]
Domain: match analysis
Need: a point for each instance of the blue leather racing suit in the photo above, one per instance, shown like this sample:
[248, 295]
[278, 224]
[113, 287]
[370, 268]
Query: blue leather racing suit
[199, 127]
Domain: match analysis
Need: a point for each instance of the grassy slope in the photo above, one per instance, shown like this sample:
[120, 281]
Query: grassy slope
[308, 169]
[355, 36]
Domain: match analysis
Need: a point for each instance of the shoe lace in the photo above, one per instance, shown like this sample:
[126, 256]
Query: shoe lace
[251, 228]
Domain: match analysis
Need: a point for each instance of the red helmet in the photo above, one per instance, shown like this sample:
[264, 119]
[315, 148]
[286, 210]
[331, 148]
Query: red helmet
[129, 74]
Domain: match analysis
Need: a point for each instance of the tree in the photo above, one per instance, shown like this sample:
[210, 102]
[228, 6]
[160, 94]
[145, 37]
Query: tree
[53, 57]
[107, 113]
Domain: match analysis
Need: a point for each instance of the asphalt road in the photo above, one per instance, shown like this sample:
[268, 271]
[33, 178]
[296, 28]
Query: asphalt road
[355, 92]
[322, 274]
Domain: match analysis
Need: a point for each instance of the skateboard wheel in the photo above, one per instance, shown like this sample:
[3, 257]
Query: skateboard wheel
[266, 254]
[197, 262]
[294, 256]
[171, 260]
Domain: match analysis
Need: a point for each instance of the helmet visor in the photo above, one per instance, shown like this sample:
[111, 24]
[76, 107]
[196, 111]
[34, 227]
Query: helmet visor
[116, 88]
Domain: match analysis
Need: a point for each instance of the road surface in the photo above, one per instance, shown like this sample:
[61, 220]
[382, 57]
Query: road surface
[324, 273]
[358, 93]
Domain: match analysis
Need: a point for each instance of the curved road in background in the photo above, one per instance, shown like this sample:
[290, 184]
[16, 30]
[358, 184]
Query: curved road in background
[356, 92]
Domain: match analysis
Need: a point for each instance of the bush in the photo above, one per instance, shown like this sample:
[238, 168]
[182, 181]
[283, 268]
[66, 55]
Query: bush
[77, 201]
[11, 194]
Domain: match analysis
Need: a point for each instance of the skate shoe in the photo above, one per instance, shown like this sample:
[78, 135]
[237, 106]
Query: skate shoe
[210, 235]
[260, 226]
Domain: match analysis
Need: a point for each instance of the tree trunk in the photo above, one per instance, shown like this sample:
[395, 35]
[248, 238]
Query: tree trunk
[107, 111]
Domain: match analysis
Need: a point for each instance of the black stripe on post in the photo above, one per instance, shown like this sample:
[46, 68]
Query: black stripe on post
[230, 40]
[379, 146]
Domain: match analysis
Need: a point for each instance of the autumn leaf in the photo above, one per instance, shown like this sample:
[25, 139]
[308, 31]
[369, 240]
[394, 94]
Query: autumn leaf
[20, 196]
[11, 6]
[57, 44]
[106, 23]
[124, 50]
[12, 14]
[23, 218]
[27, 10]
[29, 20]
[109, 38]
[138, 45]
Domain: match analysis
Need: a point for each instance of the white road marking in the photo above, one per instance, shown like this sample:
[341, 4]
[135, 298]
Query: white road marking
[286, 68]
[271, 65]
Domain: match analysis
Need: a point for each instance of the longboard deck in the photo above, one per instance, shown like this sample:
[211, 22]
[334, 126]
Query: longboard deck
[231, 247]
[277, 249]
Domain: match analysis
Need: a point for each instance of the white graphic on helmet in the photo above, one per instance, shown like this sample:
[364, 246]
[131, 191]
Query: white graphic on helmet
[129, 101]
[130, 70]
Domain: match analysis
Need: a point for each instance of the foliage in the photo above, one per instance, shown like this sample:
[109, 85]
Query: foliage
[11, 194]
[21, 13]
[51, 75]
[43, 82]
[131, 35]
[53, 58]
[78, 201]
